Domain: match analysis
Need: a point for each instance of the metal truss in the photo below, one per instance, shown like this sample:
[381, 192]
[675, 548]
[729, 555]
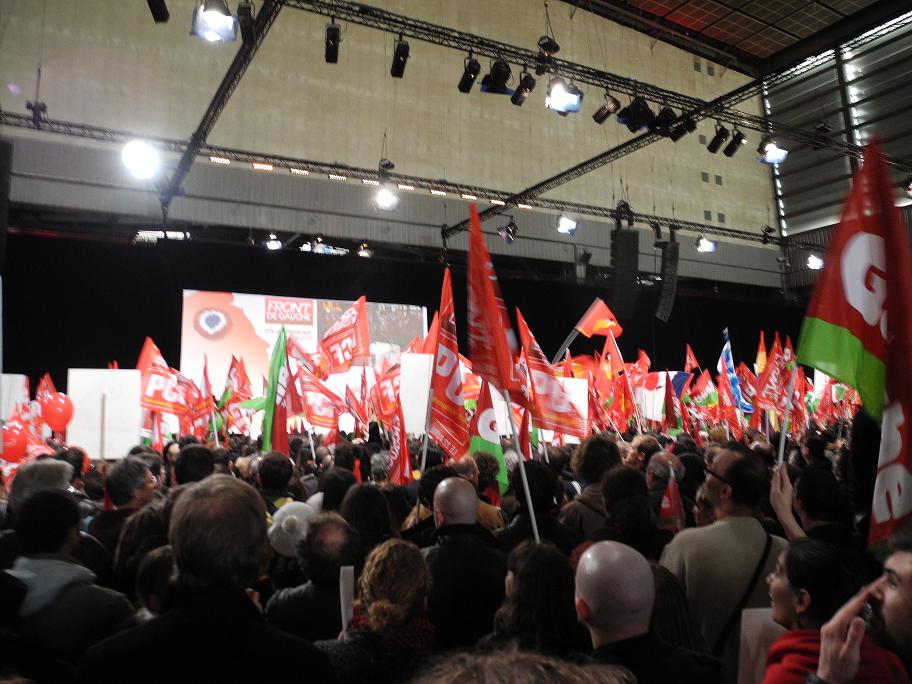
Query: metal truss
[236, 70]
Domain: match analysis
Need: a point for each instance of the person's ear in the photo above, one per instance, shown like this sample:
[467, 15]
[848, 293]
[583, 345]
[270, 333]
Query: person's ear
[582, 610]
[802, 601]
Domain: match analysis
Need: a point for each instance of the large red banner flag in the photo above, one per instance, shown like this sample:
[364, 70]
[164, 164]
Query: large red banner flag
[551, 407]
[598, 320]
[858, 329]
[771, 379]
[492, 342]
[400, 468]
[348, 339]
[448, 424]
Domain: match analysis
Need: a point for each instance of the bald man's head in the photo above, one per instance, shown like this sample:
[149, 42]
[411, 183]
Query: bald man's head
[615, 592]
[455, 502]
[467, 469]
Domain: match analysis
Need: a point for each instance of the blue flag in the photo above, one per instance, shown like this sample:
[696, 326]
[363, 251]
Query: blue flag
[727, 365]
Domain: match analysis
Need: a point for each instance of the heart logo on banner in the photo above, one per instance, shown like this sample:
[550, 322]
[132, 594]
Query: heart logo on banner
[212, 323]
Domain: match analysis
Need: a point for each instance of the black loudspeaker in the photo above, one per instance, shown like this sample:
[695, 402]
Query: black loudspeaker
[625, 257]
[6, 166]
[670, 254]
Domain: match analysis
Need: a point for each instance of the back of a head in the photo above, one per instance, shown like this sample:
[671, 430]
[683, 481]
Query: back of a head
[275, 471]
[334, 483]
[366, 509]
[623, 483]
[45, 521]
[543, 486]
[466, 467]
[749, 479]
[456, 501]
[823, 571]
[816, 445]
[194, 463]
[331, 544]
[488, 467]
[218, 533]
[379, 466]
[76, 457]
[617, 584]
[39, 476]
[820, 495]
[394, 584]
[124, 478]
[429, 481]
[594, 457]
[345, 456]
[648, 446]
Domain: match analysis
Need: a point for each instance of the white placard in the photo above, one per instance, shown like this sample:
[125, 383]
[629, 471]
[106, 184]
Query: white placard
[13, 393]
[107, 417]
[758, 632]
[414, 387]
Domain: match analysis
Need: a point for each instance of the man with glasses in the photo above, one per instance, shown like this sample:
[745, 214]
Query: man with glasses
[722, 565]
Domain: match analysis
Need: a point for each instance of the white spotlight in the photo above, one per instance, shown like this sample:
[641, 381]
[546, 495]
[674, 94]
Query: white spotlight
[213, 21]
[141, 159]
[704, 245]
[563, 97]
[364, 250]
[386, 199]
[814, 262]
[273, 242]
[771, 152]
[566, 226]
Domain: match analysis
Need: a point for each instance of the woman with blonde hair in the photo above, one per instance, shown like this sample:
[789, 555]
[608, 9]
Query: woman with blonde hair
[390, 635]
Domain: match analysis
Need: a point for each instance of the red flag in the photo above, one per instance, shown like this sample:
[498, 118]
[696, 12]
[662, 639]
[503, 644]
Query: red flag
[448, 424]
[672, 410]
[400, 470]
[321, 405]
[551, 407]
[748, 384]
[113, 365]
[568, 365]
[826, 410]
[365, 394]
[598, 320]
[415, 346]
[492, 343]
[237, 389]
[728, 412]
[772, 378]
[525, 438]
[333, 437]
[312, 362]
[430, 342]
[671, 513]
[45, 389]
[348, 339]
[355, 408]
[203, 409]
[788, 361]
[690, 361]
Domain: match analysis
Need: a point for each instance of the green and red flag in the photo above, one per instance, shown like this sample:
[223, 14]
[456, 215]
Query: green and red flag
[484, 436]
[280, 395]
[858, 329]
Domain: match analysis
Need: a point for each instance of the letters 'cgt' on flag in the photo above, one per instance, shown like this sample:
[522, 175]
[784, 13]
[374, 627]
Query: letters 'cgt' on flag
[492, 343]
[347, 340]
[858, 329]
[598, 320]
[448, 425]
[551, 407]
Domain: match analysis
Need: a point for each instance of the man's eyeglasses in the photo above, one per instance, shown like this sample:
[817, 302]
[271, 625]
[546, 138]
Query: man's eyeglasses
[724, 480]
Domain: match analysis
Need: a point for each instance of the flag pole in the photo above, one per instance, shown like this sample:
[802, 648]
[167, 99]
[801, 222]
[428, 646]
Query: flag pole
[427, 426]
[522, 469]
[783, 434]
[566, 345]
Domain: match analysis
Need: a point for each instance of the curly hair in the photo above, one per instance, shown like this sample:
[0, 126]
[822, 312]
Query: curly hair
[394, 585]
[488, 467]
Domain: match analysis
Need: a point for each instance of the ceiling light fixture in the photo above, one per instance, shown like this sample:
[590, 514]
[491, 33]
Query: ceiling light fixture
[611, 106]
[495, 81]
[687, 125]
[470, 72]
[400, 57]
[273, 243]
[212, 20]
[526, 86]
[663, 121]
[770, 152]
[333, 38]
[720, 137]
[159, 11]
[141, 159]
[563, 97]
[386, 199]
[508, 232]
[705, 246]
[738, 139]
[365, 251]
[567, 226]
[637, 115]
[814, 262]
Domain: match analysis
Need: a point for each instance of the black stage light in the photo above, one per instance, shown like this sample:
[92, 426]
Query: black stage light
[687, 125]
[637, 115]
[333, 38]
[720, 137]
[496, 80]
[738, 139]
[159, 11]
[612, 104]
[400, 57]
[526, 86]
[469, 74]
[663, 121]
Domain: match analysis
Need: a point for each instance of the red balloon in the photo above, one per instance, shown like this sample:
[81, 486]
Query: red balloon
[57, 411]
[15, 441]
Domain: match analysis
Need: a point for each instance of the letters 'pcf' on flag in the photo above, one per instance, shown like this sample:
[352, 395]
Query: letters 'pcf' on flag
[858, 329]
[448, 425]
[492, 343]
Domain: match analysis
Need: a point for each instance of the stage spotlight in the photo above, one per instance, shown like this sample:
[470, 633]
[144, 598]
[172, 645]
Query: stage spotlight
[365, 251]
[637, 115]
[495, 81]
[469, 74]
[159, 11]
[273, 243]
[687, 125]
[212, 21]
[566, 226]
[907, 186]
[563, 97]
[526, 86]
[770, 152]
[738, 139]
[508, 232]
[400, 57]
[705, 246]
[720, 137]
[814, 262]
[547, 46]
[612, 105]
[386, 199]
[767, 234]
[333, 38]
[822, 131]
[141, 159]
[245, 21]
[663, 121]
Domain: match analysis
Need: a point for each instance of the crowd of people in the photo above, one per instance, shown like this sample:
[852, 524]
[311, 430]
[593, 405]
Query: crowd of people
[223, 563]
